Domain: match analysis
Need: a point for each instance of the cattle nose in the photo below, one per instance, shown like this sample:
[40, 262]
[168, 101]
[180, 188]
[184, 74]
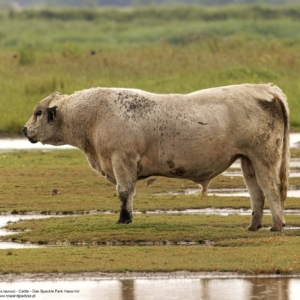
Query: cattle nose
[25, 131]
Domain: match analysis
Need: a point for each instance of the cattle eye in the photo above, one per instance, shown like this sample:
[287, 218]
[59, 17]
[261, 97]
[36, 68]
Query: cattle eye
[38, 113]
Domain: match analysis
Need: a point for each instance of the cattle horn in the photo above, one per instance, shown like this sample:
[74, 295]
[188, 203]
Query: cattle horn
[51, 113]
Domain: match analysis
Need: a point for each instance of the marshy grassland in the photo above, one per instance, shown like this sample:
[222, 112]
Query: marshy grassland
[178, 49]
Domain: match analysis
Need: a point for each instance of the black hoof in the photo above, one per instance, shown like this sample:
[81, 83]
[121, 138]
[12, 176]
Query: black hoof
[125, 217]
[124, 221]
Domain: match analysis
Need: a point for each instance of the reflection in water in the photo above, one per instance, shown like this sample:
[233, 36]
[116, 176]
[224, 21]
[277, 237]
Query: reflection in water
[128, 289]
[153, 289]
[278, 290]
[213, 289]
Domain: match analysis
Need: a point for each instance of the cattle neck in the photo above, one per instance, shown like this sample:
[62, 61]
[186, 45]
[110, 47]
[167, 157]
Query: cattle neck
[76, 132]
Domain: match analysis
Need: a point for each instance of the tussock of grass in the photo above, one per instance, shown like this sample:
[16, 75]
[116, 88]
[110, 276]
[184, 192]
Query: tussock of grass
[158, 229]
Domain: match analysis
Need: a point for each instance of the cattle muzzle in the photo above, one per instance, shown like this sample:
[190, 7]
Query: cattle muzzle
[25, 131]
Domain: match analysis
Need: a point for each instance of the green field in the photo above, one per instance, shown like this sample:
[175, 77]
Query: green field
[164, 50]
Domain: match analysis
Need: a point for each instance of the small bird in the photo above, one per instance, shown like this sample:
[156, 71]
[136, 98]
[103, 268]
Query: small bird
[54, 192]
[151, 181]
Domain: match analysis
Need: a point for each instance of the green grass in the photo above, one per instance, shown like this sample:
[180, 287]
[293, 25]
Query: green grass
[157, 229]
[268, 255]
[234, 249]
[161, 68]
[166, 50]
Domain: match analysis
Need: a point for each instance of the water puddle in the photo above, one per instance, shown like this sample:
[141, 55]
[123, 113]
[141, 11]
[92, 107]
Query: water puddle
[5, 219]
[220, 211]
[293, 172]
[224, 192]
[295, 140]
[245, 193]
[156, 288]
[235, 168]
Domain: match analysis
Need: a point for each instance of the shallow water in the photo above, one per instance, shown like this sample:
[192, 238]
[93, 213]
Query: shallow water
[153, 289]
[5, 219]
[221, 211]
[224, 192]
[295, 140]
[235, 169]
[245, 193]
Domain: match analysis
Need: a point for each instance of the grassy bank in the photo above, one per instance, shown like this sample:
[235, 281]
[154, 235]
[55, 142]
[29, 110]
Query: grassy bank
[270, 255]
[154, 229]
[166, 50]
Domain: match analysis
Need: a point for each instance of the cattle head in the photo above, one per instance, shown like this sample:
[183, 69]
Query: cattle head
[44, 125]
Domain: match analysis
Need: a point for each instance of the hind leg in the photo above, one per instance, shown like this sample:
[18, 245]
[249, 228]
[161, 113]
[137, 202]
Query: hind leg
[270, 187]
[256, 195]
[267, 177]
[267, 180]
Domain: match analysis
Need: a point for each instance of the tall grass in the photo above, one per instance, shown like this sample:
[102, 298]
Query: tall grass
[152, 54]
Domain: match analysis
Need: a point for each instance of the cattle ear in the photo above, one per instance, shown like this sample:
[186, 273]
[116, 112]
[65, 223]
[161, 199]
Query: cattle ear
[51, 113]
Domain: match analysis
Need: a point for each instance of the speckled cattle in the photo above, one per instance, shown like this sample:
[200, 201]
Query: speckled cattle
[129, 134]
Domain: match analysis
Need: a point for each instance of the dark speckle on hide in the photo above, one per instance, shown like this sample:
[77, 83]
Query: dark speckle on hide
[171, 164]
[278, 142]
[271, 125]
[202, 123]
[135, 105]
[178, 171]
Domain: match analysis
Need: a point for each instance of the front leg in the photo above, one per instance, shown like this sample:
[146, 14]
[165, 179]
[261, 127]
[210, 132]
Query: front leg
[125, 172]
[126, 195]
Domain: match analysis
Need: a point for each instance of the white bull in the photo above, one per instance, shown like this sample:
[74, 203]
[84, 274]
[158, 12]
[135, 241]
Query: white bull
[129, 134]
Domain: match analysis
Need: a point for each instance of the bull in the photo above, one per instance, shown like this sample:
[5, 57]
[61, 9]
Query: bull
[130, 134]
